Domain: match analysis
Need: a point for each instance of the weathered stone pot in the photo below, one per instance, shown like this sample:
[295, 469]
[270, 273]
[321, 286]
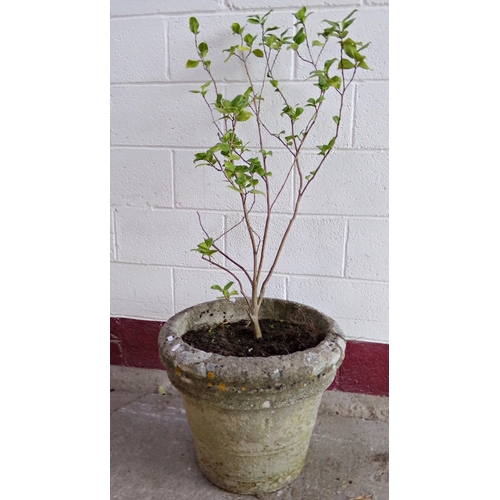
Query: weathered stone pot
[251, 418]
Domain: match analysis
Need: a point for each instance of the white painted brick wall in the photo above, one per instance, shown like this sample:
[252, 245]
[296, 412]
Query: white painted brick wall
[141, 177]
[337, 256]
[138, 50]
[141, 291]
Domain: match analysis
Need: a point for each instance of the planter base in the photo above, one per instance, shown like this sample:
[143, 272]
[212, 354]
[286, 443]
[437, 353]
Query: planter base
[252, 451]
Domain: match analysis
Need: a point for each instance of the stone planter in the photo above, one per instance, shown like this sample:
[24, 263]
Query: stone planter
[251, 418]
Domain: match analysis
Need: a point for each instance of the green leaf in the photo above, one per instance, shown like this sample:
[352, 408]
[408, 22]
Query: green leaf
[237, 101]
[229, 285]
[329, 63]
[349, 47]
[334, 82]
[231, 51]
[249, 39]
[194, 25]
[192, 64]
[349, 16]
[336, 119]
[243, 116]
[311, 174]
[203, 47]
[256, 191]
[326, 147]
[236, 28]
[274, 83]
[300, 36]
[363, 65]
[270, 40]
[254, 20]
[345, 64]
[317, 43]
[346, 25]
[204, 248]
[322, 83]
[258, 53]
[226, 294]
[204, 88]
[248, 93]
[328, 32]
[331, 23]
[266, 15]
[300, 15]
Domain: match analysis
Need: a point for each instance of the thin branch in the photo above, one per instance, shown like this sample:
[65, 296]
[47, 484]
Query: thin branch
[221, 252]
[231, 273]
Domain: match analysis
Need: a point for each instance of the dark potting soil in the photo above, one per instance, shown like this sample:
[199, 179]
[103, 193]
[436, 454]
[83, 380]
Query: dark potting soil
[237, 339]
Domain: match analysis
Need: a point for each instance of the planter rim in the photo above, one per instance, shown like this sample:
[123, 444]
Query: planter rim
[194, 371]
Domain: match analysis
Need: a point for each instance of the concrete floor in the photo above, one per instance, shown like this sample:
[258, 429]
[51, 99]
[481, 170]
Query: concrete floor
[153, 457]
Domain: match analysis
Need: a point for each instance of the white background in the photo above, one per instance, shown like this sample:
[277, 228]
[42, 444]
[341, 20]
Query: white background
[55, 235]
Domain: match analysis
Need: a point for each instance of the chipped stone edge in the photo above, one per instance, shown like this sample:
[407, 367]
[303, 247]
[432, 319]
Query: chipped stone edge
[344, 404]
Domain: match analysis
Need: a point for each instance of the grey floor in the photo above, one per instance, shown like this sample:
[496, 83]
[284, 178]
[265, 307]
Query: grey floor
[153, 457]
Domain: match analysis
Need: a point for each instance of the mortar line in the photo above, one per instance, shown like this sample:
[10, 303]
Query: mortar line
[303, 215]
[262, 214]
[166, 28]
[346, 239]
[277, 149]
[172, 284]
[172, 180]
[342, 279]
[181, 83]
[247, 10]
[353, 114]
[286, 275]
[115, 239]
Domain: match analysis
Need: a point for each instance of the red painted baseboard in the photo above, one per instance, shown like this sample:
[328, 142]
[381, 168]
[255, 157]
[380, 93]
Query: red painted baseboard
[365, 370]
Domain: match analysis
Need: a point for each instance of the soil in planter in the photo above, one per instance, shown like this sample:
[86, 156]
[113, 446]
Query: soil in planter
[237, 339]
